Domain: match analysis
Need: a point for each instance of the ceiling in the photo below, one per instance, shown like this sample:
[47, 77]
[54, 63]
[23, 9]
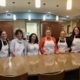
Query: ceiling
[22, 6]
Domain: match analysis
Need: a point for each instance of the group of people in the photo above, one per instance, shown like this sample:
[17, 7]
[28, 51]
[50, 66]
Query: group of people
[47, 44]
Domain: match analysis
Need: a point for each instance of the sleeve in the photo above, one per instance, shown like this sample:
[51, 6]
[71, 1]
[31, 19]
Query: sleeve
[55, 48]
[57, 40]
[26, 47]
[39, 52]
[12, 46]
[41, 44]
[0, 45]
[69, 41]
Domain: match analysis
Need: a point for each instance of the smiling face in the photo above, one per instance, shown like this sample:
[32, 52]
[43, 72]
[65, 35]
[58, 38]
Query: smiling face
[76, 31]
[62, 34]
[4, 35]
[33, 38]
[19, 35]
[48, 33]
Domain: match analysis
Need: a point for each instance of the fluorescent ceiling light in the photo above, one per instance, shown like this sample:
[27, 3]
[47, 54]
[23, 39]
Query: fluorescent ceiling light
[3, 3]
[69, 4]
[37, 3]
[44, 17]
[29, 17]
[14, 17]
[57, 18]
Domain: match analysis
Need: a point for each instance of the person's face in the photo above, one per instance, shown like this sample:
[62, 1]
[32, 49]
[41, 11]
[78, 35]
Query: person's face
[19, 35]
[62, 34]
[33, 38]
[4, 35]
[76, 31]
[48, 33]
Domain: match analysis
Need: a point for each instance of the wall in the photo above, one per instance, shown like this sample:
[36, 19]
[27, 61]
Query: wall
[21, 24]
[71, 23]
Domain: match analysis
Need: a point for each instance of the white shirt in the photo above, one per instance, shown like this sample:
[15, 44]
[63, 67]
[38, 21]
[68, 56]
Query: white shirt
[18, 46]
[33, 49]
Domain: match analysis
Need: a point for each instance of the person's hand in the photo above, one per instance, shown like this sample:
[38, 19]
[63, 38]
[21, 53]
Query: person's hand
[72, 51]
[62, 52]
[67, 49]
[57, 52]
[45, 53]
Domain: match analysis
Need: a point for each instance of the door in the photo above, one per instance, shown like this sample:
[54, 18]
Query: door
[8, 27]
[55, 27]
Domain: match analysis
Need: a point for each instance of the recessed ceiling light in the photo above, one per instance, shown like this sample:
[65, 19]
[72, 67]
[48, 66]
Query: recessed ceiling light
[7, 11]
[67, 16]
[49, 12]
[29, 10]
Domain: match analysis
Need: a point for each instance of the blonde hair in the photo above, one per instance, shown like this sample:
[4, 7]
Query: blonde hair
[48, 28]
[63, 31]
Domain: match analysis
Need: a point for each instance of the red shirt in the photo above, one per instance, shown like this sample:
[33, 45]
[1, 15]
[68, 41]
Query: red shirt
[42, 41]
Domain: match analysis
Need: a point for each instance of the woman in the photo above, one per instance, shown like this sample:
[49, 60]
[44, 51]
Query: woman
[33, 47]
[48, 43]
[4, 46]
[75, 40]
[18, 45]
[63, 43]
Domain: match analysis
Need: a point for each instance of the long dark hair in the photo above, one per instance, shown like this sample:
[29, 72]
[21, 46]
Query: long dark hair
[36, 41]
[73, 33]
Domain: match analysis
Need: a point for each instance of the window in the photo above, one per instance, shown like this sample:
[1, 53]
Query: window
[31, 28]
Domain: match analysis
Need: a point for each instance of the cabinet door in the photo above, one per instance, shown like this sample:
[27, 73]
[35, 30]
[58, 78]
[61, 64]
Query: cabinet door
[8, 27]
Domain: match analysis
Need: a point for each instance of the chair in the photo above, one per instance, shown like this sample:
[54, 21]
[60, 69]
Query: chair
[73, 74]
[20, 77]
[54, 76]
[79, 73]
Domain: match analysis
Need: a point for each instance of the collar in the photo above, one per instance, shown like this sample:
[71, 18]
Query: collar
[20, 41]
[48, 37]
[62, 39]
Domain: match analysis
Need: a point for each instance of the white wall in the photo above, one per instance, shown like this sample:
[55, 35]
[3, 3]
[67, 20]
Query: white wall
[19, 24]
[71, 23]
[74, 24]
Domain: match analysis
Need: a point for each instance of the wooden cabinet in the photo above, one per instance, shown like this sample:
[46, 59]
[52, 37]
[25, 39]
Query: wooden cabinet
[8, 27]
